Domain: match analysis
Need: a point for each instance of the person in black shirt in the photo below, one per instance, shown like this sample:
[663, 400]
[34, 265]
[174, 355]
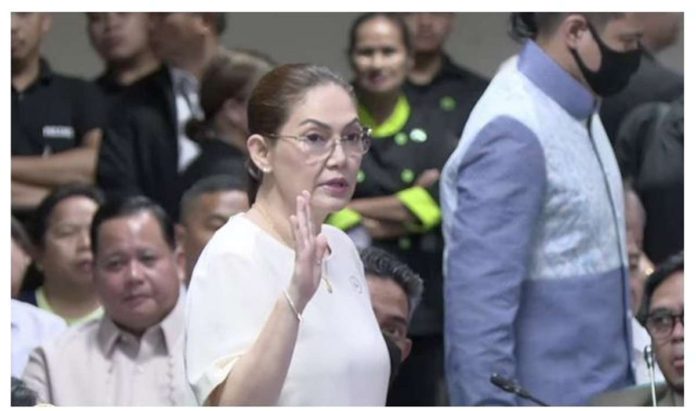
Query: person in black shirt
[221, 135]
[650, 153]
[146, 146]
[653, 82]
[435, 81]
[122, 42]
[57, 120]
[395, 206]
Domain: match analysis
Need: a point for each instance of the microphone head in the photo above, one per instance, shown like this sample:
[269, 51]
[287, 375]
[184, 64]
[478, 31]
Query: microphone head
[648, 356]
[502, 382]
[510, 386]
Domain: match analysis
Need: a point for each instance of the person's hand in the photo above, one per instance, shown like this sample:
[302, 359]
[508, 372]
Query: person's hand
[427, 178]
[310, 250]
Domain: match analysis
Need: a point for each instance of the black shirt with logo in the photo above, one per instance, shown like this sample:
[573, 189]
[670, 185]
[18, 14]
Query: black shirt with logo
[452, 93]
[54, 113]
[420, 142]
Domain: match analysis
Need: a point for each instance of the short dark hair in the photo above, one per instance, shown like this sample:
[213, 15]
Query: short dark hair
[210, 184]
[128, 206]
[667, 268]
[395, 18]
[530, 25]
[43, 212]
[231, 74]
[273, 98]
[384, 265]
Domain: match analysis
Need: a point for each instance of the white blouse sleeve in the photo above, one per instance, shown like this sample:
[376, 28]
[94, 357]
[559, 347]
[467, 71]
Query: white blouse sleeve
[228, 302]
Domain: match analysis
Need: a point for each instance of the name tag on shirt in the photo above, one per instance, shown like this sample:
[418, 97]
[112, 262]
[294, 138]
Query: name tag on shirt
[63, 132]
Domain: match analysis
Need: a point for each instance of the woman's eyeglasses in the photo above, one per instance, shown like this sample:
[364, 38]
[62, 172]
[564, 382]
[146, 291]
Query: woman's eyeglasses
[355, 143]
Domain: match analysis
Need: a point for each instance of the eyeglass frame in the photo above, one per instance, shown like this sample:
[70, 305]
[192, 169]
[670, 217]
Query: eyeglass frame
[365, 134]
[663, 313]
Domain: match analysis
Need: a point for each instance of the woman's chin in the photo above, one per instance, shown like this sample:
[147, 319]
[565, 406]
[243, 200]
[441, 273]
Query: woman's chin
[328, 205]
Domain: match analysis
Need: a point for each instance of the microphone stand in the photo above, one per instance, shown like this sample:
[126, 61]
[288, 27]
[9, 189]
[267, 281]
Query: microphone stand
[650, 361]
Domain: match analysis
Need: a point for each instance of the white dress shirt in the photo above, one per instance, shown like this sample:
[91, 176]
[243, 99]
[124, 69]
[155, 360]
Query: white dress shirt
[187, 107]
[97, 363]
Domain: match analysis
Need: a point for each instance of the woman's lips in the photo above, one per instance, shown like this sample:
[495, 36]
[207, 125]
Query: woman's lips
[336, 187]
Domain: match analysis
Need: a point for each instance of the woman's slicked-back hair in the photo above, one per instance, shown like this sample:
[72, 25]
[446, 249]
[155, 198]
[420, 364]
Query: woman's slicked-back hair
[273, 99]
[393, 17]
[231, 74]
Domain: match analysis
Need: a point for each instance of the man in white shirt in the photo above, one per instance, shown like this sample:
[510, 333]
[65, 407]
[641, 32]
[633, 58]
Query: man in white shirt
[134, 354]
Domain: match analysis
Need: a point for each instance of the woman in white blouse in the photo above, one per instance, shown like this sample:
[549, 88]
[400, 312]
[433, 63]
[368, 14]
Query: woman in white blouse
[278, 307]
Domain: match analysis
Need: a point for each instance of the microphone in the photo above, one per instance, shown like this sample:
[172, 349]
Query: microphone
[508, 385]
[650, 362]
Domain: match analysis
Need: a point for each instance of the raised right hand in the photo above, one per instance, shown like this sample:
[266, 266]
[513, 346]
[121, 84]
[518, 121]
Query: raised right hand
[310, 250]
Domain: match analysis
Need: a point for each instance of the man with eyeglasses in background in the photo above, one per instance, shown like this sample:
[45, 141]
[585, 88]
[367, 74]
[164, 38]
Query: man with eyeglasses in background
[662, 314]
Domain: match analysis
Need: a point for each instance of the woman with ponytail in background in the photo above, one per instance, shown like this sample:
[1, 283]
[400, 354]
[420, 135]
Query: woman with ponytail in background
[226, 85]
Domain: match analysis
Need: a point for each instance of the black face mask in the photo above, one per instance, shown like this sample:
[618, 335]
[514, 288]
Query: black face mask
[614, 71]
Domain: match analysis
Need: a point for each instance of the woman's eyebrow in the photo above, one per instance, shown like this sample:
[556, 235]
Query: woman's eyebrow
[326, 126]
[315, 122]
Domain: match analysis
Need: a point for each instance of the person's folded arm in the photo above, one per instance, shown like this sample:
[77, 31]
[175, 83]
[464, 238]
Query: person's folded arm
[414, 206]
[70, 166]
[389, 208]
[27, 196]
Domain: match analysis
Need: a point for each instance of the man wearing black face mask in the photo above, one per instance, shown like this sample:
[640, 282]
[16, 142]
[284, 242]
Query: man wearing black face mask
[615, 68]
[532, 205]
